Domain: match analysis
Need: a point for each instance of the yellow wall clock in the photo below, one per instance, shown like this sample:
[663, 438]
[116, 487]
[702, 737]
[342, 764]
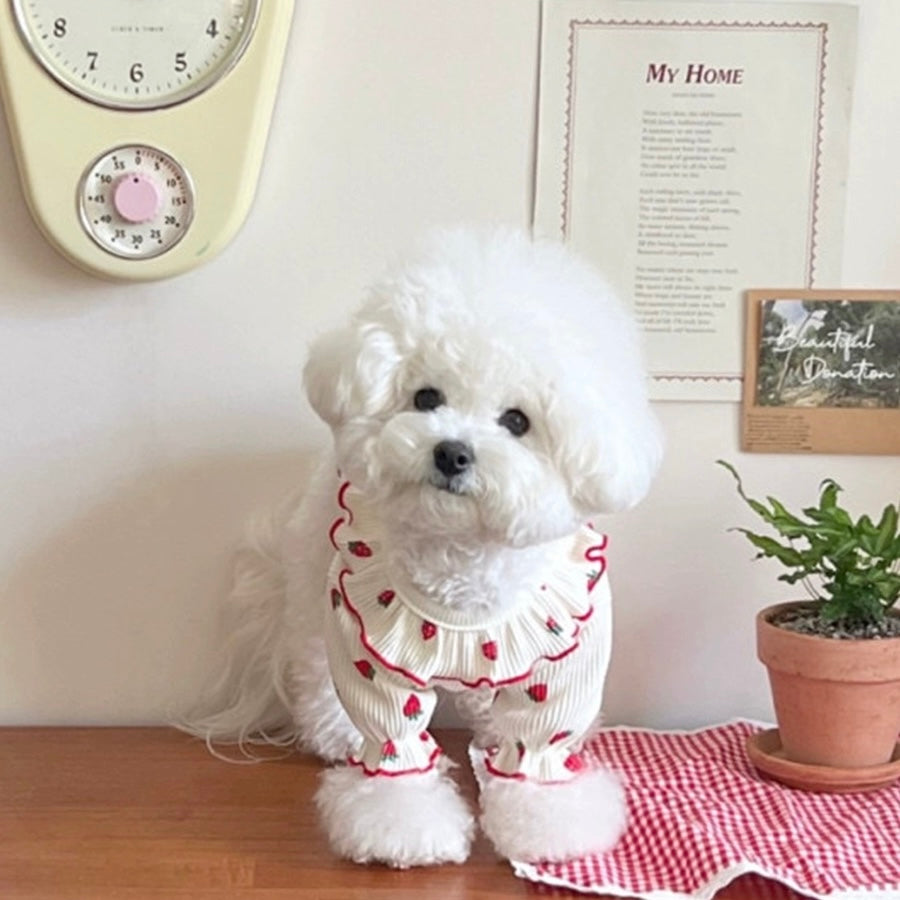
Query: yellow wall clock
[139, 127]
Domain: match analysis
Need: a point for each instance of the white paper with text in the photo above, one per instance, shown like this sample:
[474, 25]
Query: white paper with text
[693, 151]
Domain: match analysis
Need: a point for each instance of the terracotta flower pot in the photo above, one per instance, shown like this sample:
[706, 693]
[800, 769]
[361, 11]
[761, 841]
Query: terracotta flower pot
[837, 702]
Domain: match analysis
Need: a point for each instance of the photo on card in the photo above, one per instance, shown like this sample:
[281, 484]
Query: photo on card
[822, 372]
[829, 353]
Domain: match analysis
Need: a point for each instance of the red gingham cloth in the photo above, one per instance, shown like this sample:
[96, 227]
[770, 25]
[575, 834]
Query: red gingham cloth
[700, 815]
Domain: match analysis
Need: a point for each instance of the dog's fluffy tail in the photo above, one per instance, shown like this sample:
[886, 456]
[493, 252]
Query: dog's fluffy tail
[246, 701]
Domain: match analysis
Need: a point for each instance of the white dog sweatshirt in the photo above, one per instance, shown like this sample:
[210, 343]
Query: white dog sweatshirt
[545, 658]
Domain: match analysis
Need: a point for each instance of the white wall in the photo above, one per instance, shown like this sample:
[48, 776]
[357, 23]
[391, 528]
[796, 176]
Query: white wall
[140, 425]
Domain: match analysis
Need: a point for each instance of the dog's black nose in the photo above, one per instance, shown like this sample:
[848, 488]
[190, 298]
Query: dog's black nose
[453, 457]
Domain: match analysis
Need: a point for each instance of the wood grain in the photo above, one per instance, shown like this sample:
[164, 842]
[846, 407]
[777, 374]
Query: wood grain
[148, 813]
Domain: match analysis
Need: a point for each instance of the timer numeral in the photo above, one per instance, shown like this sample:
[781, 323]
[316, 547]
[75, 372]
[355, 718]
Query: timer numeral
[60, 28]
[213, 28]
[136, 72]
[180, 62]
[93, 55]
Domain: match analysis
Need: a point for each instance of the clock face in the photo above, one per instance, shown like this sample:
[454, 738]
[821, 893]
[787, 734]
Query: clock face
[135, 54]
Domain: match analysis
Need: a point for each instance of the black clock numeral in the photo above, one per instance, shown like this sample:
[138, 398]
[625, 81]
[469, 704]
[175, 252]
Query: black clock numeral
[213, 28]
[136, 72]
[93, 55]
[60, 28]
[180, 62]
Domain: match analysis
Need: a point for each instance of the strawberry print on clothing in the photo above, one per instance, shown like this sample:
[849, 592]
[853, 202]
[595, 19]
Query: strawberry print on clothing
[365, 668]
[595, 554]
[412, 709]
[537, 692]
[388, 751]
[592, 579]
[389, 646]
[554, 627]
[489, 649]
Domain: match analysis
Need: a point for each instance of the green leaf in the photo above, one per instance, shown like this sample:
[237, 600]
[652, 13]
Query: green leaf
[887, 529]
[770, 547]
[829, 490]
[855, 564]
[784, 517]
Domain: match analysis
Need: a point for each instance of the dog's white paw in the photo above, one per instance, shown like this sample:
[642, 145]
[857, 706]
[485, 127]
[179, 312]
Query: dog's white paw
[403, 821]
[531, 822]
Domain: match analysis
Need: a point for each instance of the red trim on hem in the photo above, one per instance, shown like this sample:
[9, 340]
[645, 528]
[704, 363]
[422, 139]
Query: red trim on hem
[484, 681]
[522, 777]
[432, 760]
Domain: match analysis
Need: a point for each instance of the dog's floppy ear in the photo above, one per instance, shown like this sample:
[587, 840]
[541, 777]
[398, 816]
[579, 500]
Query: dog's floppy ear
[615, 450]
[350, 372]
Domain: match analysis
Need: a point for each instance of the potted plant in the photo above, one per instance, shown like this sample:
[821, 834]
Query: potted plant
[833, 659]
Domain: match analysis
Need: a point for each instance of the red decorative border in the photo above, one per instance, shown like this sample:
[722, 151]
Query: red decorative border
[576, 768]
[594, 553]
[340, 520]
[481, 682]
[358, 763]
[815, 188]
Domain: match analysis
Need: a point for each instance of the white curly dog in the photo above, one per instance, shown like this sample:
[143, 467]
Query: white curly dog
[487, 404]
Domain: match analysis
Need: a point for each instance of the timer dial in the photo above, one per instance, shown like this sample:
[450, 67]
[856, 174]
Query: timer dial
[136, 202]
[130, 55]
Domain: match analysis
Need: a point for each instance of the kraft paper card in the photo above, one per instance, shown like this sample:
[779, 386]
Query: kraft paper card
[822, 372]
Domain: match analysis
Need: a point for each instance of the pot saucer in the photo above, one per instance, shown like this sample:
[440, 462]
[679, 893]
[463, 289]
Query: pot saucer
[765, 752]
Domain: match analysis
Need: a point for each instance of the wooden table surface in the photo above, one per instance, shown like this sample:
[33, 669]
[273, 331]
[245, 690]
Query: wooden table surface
[148, 813]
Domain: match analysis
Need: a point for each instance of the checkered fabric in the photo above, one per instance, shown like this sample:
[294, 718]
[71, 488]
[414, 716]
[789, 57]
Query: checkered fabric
[700, 816]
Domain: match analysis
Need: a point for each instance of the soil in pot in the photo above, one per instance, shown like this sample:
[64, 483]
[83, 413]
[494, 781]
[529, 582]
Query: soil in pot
[804, 620]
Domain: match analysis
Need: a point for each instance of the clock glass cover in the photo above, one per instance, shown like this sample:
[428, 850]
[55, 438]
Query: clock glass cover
[136, 54]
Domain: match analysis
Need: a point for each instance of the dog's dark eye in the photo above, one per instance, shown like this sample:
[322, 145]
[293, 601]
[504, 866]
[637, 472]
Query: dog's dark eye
[515, 422]
[428, 398]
